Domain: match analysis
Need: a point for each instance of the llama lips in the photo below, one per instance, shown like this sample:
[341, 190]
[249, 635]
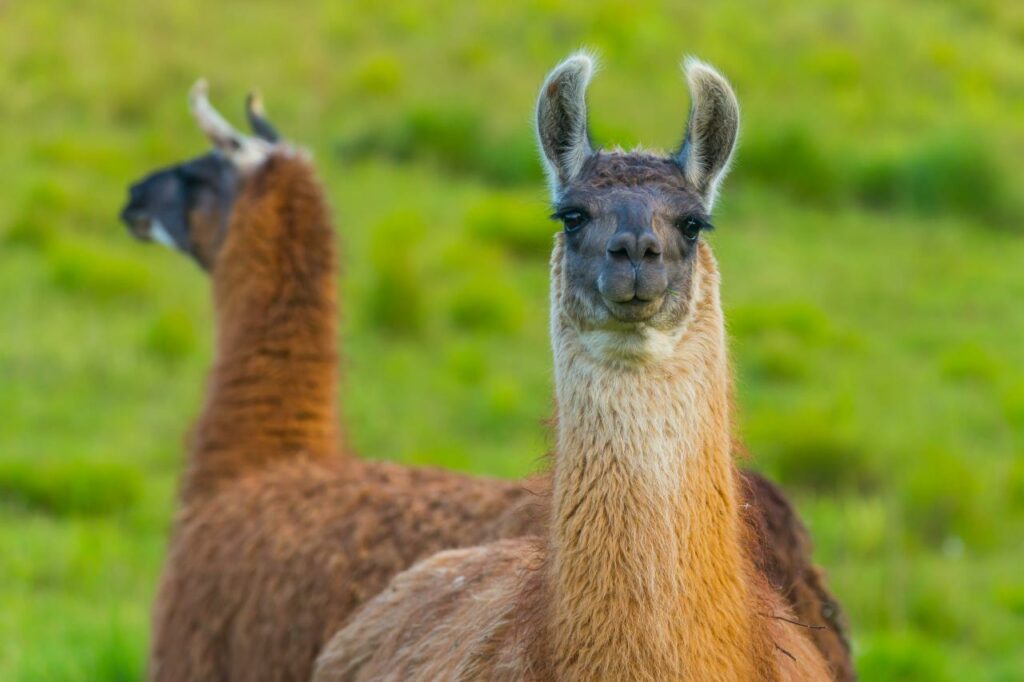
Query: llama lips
[635, 310]
[147, 229]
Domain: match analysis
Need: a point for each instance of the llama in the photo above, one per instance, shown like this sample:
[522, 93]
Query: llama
[279, 536]
[271, 555]
[645, 573]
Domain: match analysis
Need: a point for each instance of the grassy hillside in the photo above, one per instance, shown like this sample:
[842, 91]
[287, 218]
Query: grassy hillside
[871, 240]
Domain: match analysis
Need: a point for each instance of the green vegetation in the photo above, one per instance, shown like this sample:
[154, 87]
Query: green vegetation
[871, 240]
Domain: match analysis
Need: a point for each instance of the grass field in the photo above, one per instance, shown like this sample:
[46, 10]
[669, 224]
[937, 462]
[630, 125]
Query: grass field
[871, 240]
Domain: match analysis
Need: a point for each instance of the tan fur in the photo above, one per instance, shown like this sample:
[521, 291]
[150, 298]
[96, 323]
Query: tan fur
[645, 574]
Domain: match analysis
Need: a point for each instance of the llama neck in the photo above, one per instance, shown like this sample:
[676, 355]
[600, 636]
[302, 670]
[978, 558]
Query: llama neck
[649, 576]
[271, 394]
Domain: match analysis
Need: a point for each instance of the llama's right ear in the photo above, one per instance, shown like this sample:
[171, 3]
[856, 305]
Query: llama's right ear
[562, 120]
[711, 131]
[261, 127]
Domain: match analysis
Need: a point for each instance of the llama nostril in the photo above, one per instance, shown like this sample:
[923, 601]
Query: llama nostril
[648, 246]
[637, 248]
[622, 247]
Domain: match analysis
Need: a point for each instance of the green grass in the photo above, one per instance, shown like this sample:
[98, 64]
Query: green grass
[870, 240]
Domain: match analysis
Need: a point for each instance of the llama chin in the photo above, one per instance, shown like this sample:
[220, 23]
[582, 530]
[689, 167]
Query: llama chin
[643, 345]
[159, 234]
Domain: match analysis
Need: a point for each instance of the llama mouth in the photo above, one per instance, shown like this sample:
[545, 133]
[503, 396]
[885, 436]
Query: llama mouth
[137, 224]
[140, 230]
[147, 229]
[633, 311]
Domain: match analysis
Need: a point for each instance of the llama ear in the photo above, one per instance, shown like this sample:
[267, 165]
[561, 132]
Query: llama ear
[257, 116]
[711, 131]
[244, 152]
[562, 120]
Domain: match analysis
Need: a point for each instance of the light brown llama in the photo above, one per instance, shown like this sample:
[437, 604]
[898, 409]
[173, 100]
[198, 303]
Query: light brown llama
[646, 573]
[271, 553]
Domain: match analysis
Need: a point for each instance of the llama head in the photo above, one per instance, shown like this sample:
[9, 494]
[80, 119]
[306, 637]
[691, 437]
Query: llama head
[629, 260]
[187, 206]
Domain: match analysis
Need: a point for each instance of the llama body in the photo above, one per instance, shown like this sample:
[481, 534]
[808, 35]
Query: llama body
[636, 581]
[281, 534]
[646, 572]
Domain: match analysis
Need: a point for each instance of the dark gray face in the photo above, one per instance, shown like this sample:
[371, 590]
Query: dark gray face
[632, 223]
[632, 220]
[186, 207]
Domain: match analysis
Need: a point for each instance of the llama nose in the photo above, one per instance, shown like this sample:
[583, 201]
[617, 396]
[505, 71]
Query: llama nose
[136, 219]
[629, 245]
[130, 213]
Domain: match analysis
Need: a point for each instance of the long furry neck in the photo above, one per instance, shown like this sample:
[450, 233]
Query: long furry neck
[272, 392]
[647, 568]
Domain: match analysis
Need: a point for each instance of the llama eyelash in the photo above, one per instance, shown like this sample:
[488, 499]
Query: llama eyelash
[560, 213]
[702, 223]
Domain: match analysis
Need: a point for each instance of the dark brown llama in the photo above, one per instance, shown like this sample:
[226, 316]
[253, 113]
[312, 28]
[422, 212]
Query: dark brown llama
[281, 534]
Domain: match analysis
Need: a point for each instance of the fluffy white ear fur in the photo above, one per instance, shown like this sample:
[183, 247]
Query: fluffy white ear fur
[562, 119]
[712, 130]
[707, 149]
[244, 151]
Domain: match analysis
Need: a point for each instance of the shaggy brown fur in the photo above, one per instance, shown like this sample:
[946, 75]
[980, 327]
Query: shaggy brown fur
[280, 535]
[781, 549]
[279, 538]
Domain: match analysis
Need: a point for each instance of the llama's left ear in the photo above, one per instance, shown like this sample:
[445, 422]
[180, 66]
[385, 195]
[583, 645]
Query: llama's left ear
[712, 130]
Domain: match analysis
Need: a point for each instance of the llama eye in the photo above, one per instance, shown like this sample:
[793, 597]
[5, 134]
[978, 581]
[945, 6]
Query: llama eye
[573, 220]
[691, 227]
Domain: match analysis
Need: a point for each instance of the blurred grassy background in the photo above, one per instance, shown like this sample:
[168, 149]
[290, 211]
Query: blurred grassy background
[871, 238]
